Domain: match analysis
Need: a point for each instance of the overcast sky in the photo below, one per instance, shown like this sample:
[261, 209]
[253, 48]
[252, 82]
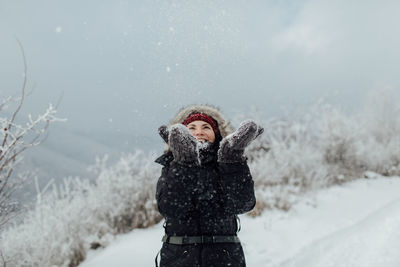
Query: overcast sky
[130, 65]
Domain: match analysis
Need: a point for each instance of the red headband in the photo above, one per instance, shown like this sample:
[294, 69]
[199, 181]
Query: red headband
[202, 117]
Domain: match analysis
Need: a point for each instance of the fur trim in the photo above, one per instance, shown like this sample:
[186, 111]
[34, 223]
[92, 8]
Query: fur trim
[224, 125]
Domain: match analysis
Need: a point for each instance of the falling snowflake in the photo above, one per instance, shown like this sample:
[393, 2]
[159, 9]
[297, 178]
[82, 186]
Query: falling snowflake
[168, 69]
[58, 29]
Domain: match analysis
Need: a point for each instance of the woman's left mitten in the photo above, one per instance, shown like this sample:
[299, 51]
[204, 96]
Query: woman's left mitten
[232, 147]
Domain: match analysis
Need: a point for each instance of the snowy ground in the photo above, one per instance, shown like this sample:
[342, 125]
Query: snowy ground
[357, 224]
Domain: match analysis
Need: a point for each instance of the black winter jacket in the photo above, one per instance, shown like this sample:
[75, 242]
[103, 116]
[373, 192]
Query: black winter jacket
[203, 200]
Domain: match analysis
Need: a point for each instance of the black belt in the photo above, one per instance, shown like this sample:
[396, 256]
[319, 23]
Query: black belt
[182, 240]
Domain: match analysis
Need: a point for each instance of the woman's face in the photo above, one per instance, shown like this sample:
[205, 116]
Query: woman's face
[202, 131]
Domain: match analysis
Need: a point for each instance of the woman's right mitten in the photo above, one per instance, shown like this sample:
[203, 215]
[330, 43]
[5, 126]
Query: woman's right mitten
[164, 133]
[183, 145]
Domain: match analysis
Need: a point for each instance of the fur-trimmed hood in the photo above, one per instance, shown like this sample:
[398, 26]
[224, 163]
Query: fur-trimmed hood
[224, 125]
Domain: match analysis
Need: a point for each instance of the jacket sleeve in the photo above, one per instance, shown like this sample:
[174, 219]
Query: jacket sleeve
[175, 192]
[238, 187]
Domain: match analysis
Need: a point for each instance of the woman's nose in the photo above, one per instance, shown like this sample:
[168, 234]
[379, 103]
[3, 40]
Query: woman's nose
[198, 132]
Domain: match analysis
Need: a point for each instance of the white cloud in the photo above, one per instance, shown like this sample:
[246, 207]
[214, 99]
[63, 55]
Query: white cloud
[306, 37]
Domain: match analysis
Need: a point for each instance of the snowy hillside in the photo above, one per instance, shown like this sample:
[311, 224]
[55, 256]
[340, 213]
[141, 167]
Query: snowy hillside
[68, 153]
[357, 224]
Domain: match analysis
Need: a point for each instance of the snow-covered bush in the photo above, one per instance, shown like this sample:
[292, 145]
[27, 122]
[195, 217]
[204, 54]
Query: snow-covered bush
[70, 219]
[378, 147]
[325, 147]
[289, 163]
[368, 141]
[129, 185]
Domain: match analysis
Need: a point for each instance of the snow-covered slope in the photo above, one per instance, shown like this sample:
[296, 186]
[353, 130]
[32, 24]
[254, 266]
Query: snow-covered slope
[373, 241]
[67, 152]
[357, 224]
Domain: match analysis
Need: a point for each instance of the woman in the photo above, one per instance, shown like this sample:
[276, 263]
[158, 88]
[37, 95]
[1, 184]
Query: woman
[205, 183]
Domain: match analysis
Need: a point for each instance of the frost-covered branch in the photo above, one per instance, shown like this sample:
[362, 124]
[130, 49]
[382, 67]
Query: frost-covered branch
[15, 138]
